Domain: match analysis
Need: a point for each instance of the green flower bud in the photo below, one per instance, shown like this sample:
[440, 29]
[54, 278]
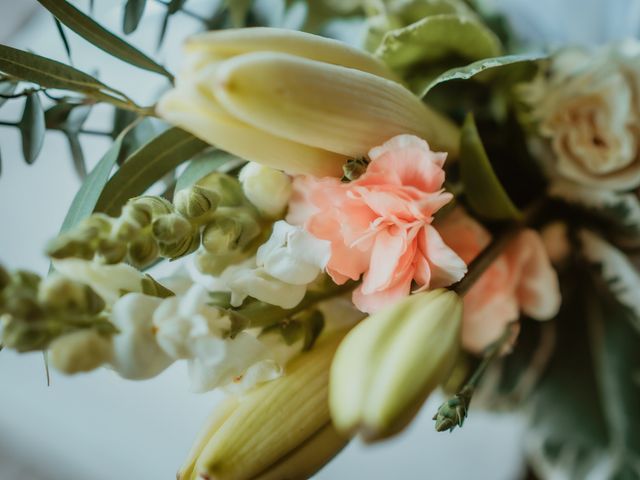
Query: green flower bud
[227, 187]
[23, 336]
[111, 250]
[389, 363]
[171, 228]
[151, 205]
[143, 251]
[195, 202]
[354, 168]
[453, 412]
[214, 264]
[66, 246]
[96, 224]
[80, 351]
[64, 295]
[222, 235]
[4, 278]
[182, 247]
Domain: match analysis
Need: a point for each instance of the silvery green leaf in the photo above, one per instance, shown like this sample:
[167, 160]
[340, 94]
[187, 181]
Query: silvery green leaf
[437, 38]
[32, 127]
[133, 11]
[475, 68]
[203, 165]
[616, 271]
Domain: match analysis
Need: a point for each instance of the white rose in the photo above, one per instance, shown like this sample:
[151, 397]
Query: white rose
[587, 108]
[266, 188]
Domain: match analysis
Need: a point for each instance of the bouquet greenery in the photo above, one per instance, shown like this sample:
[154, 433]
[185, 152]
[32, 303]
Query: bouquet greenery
[351, 226]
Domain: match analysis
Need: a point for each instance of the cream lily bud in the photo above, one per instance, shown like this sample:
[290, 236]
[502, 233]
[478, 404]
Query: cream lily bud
[266, 188]
[389, 363]
[317, 102]
[80, 351]
[195, 202]
[279, 430]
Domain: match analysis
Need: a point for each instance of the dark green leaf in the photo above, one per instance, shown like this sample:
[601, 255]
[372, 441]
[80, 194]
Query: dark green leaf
[63, 37]
[202, 166]
[67, 116]
[51, 74]
[133, 11]
[483, 191]
[139, 135]
[172, 7]
[77, 155]
[85, 200]
[437, 38]
[102, 38]
[146, 166]
[473, 69]
[32, 128]
[6, 88]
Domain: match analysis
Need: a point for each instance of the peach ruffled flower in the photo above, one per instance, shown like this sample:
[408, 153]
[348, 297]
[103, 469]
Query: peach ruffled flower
[520, 280]
[379, 225]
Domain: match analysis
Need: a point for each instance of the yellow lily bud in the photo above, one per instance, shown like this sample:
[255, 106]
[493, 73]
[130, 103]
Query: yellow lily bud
[280, 430]
[389, 363]
[295, 101]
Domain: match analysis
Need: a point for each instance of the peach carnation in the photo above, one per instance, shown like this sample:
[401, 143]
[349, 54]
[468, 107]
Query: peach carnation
[520, 280]
[379, 225]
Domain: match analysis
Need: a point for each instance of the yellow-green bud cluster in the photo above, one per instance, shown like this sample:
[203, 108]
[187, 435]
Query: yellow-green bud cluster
[213, 212]
[33, 312]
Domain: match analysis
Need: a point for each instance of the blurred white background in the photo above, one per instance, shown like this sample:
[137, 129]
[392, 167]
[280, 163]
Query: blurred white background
[100, 427]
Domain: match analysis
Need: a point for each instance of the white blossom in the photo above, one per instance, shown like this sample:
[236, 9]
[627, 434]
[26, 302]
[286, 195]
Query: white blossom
[266, 188]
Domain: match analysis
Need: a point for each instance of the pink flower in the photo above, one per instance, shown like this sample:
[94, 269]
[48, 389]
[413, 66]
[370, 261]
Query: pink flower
[379, 225]
[520, 280]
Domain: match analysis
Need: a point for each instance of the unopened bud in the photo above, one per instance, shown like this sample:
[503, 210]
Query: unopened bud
[111, 250]
[182, 247]
[4, 278]
[171, 228]
[354, 168]
[97, 224]
[151, 205]
[453, 412]
[227, 187]
[143, 251]
[390, 362]
[194, 202]
[65, 295]
[214, 264]
[80, 351]
[66, 246]
[222, 235]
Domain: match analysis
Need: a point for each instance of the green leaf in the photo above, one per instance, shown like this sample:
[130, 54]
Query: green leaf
[102, 38]
[133, 12]
[203, 165]
[473, 69]
[483, 191]
[51, 74]
[146, 166]
[172, 7]
[32, 128]
[437, 38]
[85, 200]
[77, 155]
[63, 37]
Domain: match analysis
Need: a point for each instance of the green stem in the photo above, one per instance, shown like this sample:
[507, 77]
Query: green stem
[86, 131]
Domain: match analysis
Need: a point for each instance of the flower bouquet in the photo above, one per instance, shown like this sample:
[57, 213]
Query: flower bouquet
[343, 207]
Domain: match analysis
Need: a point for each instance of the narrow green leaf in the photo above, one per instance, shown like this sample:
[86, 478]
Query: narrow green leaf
[133, 11]
[32, 127]
[201, 166]
[172, 7]
[473, 69]
[77, 155]
[63, 37]
[482, 189]
[49, 73]
[85, 200]
[146, 166]
[437, 38]
[99, 36]
[6, 88]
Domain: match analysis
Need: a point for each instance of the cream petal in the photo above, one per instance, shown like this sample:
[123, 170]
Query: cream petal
[204, 118]
[325, 106]
[222, 44]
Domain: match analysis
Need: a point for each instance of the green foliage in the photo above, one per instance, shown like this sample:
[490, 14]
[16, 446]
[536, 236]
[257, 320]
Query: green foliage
[146, 166]
[133, 11]
[483, 191]
[32, 128]
[93, 32]
[203, 165]
[438, 38]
